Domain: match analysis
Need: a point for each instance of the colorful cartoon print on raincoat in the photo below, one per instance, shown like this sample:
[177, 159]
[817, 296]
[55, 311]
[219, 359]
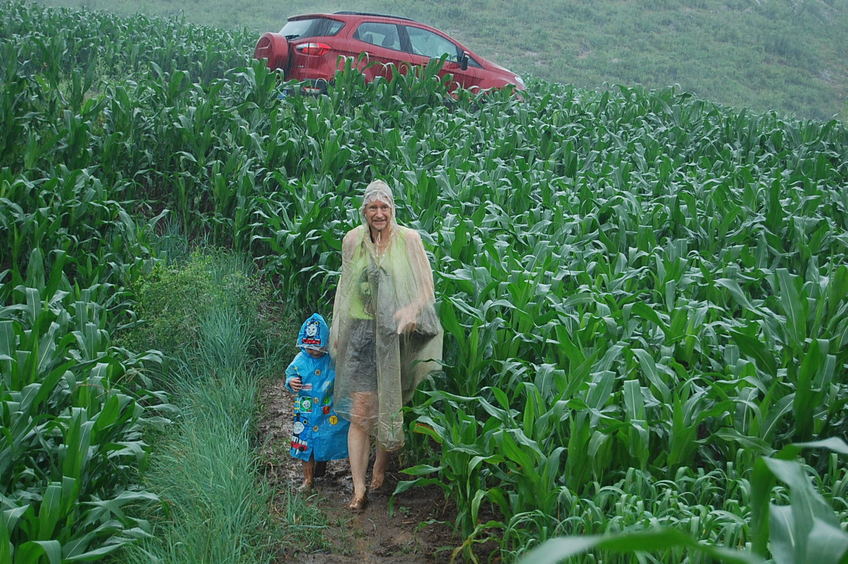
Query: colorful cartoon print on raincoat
[317, 430]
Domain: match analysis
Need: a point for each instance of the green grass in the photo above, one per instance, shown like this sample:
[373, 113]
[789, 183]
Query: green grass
[214, 504]
[175, 299]
[784, 56]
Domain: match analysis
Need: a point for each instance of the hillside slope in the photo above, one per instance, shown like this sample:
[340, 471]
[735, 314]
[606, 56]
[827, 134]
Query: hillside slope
[788, 57]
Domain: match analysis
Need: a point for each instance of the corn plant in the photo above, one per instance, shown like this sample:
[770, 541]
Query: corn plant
[72, 422]
[800, 531]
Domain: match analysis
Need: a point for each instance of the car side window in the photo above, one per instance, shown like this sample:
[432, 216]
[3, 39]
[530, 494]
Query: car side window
[429, 44]
[382, 34]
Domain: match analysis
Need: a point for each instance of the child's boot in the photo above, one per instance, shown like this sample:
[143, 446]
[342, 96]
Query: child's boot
[320, 468]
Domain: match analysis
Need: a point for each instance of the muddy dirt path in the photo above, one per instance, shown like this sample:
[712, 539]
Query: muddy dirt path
[372, 536]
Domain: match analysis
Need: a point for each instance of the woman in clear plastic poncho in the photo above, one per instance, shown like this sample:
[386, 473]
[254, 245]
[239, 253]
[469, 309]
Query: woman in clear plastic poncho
[385, 336]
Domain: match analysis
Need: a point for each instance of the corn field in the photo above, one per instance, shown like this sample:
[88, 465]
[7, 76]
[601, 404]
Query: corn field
[644, 294]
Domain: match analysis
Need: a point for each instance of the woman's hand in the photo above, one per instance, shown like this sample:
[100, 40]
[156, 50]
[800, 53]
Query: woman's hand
[405, 319]
[296, 384]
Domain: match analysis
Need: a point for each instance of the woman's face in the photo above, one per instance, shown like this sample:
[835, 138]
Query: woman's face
[378, 214]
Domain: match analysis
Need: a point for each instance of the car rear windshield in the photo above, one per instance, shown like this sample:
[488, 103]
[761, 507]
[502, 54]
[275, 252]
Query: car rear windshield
[311, 27]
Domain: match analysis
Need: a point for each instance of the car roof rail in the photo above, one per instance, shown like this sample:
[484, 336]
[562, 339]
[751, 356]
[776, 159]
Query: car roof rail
[352, 13]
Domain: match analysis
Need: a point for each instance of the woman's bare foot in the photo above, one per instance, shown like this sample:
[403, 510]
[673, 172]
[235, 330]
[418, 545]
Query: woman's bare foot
[358, 504]
[377, 481]
[378, 473]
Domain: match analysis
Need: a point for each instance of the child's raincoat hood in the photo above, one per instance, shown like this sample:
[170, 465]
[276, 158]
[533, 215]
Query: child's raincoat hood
[314, 334]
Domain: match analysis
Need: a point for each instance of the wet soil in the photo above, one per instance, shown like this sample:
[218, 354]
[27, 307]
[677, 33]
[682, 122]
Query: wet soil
[410, 528]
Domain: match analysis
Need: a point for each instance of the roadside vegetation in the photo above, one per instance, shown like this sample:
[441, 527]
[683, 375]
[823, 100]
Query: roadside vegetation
[782, 56]
[203, 312]
[644, 296]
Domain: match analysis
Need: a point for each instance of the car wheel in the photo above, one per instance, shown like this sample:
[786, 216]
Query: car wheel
[316, 87]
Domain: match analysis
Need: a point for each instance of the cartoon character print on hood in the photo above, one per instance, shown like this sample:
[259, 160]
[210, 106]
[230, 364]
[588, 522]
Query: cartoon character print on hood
[314, 333]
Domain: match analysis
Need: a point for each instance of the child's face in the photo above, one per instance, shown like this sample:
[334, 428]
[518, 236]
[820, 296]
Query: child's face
[314, 353]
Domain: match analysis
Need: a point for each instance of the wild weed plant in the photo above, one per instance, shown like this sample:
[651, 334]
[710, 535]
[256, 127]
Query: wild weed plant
[214, 507]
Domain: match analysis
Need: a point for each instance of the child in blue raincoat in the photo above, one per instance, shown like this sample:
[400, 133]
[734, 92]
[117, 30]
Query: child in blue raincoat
[318, 434]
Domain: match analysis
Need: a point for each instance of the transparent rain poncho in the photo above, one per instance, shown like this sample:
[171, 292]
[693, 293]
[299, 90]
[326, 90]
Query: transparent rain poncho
[385, 336]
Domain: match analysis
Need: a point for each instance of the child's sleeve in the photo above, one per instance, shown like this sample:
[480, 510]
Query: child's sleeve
[291, 373]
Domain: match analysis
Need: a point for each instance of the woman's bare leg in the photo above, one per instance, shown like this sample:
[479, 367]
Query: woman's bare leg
[378, 475]
[359, 443]
[358, 446]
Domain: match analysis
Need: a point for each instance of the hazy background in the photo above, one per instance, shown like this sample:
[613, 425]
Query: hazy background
[791, 57]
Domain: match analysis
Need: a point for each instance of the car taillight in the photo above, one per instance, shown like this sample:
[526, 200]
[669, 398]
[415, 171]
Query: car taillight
[316, 49]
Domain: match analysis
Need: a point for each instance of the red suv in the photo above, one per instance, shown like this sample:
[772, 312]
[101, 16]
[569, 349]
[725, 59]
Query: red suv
[313, 47]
